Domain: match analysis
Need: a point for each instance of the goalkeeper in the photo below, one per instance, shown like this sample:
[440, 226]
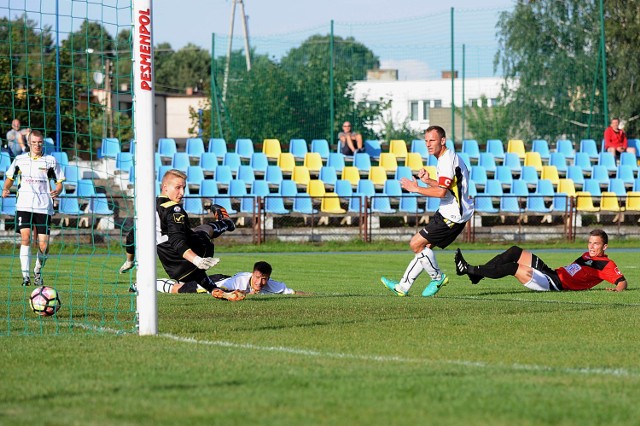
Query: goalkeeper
[186, 254]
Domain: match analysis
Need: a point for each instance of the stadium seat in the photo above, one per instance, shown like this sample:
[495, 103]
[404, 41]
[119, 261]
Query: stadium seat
[124, 162]
[495, 147]
[260, 188]
[487, 161]
[237, 189]
[478, 176]
[110, 148]
[180, 161]
[161, 171]
[516, 146]
[617, 186]
[433, 204]
[566, 146]
[392, 189]
[584, 203]
[373, 148]
[512, 160]
[343, 188]
[233, 161]
[303, 204]
[49, 146]
[71, 175]
[409, 204]
[465, 159]
[272, 149]
[389, 162]
[245, 173]
[625, 173]
[609, 202]
[193, 206]
[298, 147]
[85, 189]
[403, 172]
[419, 146]
[208, 191]
[315, 188]
[225, 201]
[366, 187]
[484, 204]
[208, 162]
[286, 162]
[533, 159]
[566, 186]
[301, 176]
[510, 204]
[493, 188]
[259, 162]
[244, 148]
[331, 204]
[378, 175]
[608, 160]
[336, 160]
[550, 173]
[194, 148]
[274, 204]
[329, 176]
[398, 147]
[381, 204]
[589, 147]
[583, 161]
[218, 146]
[633, 201]
[629, 159]
[351, 174]
[601, 175]
[321, 146]
[414, 161]
[166, 148]
[575, 174]
[558, 160]
[503, 174]
[61, 158]
[362, 161]
[8, 206]
[530, 175]
[273, 176]
[313, 162]
[541, 146]
[223, 176]
[593, 187]
[471, 148]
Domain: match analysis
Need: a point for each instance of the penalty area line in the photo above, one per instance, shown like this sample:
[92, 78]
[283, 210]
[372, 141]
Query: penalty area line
[587, 371]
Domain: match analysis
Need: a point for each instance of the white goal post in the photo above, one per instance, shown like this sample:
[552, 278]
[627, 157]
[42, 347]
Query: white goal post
[145, 217]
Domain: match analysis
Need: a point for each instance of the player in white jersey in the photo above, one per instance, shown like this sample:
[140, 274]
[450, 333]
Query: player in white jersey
[257, 282]
[34, 203]
[456, 208]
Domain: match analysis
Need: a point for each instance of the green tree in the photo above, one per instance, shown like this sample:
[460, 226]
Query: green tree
[550, 48]
[187, 67]
[485, 122]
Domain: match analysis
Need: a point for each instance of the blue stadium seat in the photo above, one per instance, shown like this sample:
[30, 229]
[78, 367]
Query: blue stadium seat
[373, 148]
[225, 201]
[61, 158]
[592, 186]
[541, 146]
[298, 147]
[208, 190]
[50, 146]
[471, 148]
[433, 204]
[479, 177]
[403, 172]
[495, 147]
[161, 171]
[223, 176]
[366, 187]
[626, 174]
[493, 188]
[381, 204]
[218, 146]
[576, 174]
[503, 174]
[166, 148]
[273, 176]
[600, 174]
[329, 176]
[110, 148]
[583, 161]
[409, 204]
[259, 162]
[303, 204]
[362, 161]
[617, 186]
[246, 174]
[8, 208]
[465, 159]
[99, 205]
[520, 188]
[560, 161]
[260, 188]
[566, 146]
[536, 204]
[68, 205]
[487, 161]
[208, 162]
[510, 203]
[419, 146]
[195, 176]
[343, 188]
[545, 188]
[244, 148]
[321, 146]
[530, 175]
[512, 160]
[336, 160]
[484, 204]
[589, 147]
[607, 160]
[194, 148]
[274, 204]
[180, 161]
[232, 159]
[85, 188]
[629, 159]
[124, 162]
[71, 175]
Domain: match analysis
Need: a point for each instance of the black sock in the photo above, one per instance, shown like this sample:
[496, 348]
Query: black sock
[512, 255]
[496, 270]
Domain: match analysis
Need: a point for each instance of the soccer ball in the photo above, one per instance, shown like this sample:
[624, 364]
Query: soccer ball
[45, 301]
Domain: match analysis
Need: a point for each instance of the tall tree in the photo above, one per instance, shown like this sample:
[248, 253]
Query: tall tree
[551, 48]
[187, 67]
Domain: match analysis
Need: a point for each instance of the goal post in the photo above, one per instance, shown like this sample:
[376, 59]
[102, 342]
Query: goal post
[145, 219]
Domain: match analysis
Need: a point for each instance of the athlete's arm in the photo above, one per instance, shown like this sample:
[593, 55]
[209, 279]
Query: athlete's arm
[621, 286]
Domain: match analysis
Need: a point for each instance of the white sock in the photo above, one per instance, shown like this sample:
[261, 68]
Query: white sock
[165, 285]
[413, 271]
[430, 264]
[41, 259]
[25, 260]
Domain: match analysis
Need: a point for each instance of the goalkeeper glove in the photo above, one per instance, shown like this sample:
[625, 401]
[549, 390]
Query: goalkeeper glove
[205, 262]
[219, 212]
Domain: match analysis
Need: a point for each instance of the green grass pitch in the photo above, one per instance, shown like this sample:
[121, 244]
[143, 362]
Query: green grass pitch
[350, 353]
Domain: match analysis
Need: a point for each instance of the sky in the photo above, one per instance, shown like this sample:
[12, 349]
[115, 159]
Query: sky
[195, 20]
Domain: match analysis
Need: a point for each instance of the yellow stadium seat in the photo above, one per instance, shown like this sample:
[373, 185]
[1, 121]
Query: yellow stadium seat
[433, 172]
[286, 162]
[301, 176]
[271, 148]
[315, 188]
[414, 161]
[398, 147]
[533, 159]
[331, 204]
[633, 201]
[313, 162]
[352, 174]
[551, 173]
[378, 175]
[566, 186]
[584, 203]
[609, 202]
[516, 146]
[389, 162]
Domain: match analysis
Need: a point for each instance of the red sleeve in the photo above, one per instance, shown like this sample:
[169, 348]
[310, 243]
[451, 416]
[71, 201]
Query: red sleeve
[611, 273]
[608, 133]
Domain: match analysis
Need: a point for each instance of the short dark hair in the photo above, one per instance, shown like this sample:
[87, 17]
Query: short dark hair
[439, 130]
[35, 133]
[263, 267]
[600, 233]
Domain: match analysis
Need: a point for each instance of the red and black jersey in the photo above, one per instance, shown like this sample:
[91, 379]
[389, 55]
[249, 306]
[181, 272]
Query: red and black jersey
[586, 272]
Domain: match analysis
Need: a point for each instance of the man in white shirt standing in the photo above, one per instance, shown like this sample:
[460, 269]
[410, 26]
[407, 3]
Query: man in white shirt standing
[451, 185]
[34, 203]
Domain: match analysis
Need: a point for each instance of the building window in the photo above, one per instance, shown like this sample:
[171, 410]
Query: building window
[494, 102]
[426, 105]
[437, 103]
[413, 106]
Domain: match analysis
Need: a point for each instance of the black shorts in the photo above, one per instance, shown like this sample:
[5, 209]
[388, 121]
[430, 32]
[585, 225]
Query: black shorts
[440, 231]
[27, 220]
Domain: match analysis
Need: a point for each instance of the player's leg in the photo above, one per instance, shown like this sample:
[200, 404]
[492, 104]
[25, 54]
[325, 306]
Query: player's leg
[130, 251]
[537, 280]
[23, 220]
[41, 234]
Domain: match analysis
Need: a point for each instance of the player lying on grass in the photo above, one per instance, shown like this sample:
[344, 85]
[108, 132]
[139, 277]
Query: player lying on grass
[587, 271]
[257, 282]
[185, 253]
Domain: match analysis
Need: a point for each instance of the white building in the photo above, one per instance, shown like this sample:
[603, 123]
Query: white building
[415, 101]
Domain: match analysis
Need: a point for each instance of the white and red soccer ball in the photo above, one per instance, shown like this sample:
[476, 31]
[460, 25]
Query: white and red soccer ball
[45, 301]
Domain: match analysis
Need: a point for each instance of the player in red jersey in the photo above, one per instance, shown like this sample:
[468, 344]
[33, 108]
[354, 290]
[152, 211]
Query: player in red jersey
[587, 271]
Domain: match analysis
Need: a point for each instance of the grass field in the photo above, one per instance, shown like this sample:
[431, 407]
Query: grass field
[350, 353]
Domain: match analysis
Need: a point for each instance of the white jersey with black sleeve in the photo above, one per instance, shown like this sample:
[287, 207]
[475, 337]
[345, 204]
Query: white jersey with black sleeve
[33, 175]
[242, 281]
[453, 175]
